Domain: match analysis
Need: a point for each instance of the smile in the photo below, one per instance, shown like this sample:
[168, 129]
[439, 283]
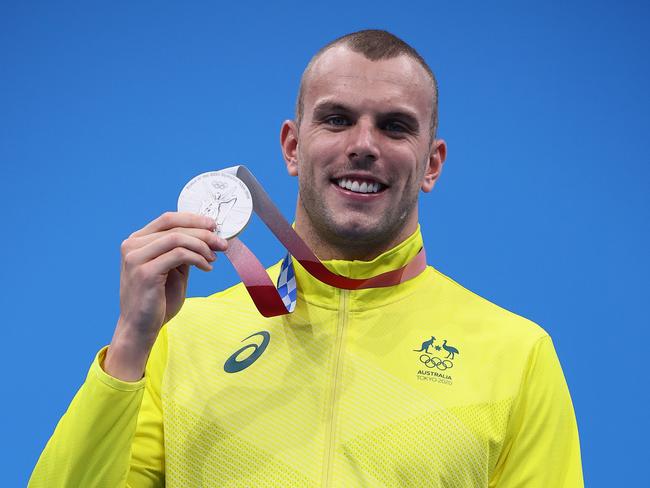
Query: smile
[358, 185]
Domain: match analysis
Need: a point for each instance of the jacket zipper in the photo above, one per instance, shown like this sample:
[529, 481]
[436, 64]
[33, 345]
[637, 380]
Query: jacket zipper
[332, 407]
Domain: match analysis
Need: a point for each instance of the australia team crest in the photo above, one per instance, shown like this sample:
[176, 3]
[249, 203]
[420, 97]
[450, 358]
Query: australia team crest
[436, 360]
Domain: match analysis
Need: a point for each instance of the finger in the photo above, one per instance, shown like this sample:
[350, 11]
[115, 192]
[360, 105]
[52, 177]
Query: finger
[215, 242]
[166, 243]
[169, 220]
[176, 257]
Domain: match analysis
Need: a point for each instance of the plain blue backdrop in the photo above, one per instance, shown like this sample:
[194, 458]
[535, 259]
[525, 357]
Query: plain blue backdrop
[108, 109]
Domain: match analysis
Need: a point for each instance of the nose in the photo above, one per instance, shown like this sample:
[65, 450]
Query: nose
[362, 142]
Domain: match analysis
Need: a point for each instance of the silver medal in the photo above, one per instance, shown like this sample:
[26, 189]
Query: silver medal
[221, 196]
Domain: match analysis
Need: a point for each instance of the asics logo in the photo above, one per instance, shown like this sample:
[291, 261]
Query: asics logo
[234, 365]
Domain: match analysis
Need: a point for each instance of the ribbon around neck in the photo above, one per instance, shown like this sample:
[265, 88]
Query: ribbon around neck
[264, 293]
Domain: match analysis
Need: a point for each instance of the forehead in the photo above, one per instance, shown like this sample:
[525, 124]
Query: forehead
[349, 77]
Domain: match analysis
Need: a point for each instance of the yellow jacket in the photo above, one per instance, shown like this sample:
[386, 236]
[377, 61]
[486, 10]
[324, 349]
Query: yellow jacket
[420, 384]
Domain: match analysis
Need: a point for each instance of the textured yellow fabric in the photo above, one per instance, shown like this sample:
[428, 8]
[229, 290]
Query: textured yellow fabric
[422, 384]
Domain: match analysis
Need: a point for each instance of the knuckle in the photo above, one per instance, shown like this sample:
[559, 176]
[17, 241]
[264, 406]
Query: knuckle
[166, 218]
[181, 253]
[125, 247]
[127, 259]
[175, 239]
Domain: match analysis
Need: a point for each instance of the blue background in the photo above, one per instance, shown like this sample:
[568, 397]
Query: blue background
[107, 110]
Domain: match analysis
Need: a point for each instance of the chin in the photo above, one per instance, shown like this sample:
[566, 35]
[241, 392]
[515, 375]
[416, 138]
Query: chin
[352, 235]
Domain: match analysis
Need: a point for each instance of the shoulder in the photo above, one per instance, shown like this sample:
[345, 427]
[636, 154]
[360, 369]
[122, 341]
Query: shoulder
[496, 341]
[471, 310]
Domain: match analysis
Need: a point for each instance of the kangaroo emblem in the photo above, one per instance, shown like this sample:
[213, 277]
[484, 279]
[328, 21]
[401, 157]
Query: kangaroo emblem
[426, 345]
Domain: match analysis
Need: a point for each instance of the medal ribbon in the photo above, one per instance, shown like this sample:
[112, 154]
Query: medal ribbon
[264, 293]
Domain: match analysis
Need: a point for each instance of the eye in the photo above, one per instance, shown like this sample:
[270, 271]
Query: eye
[336, 121]
[394, 126]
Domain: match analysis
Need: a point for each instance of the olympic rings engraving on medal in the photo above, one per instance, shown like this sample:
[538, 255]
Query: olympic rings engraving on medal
[436, 362]
[222, 197]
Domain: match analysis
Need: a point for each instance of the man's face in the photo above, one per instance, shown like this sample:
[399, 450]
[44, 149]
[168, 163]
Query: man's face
[363, 149]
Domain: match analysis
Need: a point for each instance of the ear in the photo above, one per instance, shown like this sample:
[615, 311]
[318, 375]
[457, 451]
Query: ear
[436, 160]
[289, 143]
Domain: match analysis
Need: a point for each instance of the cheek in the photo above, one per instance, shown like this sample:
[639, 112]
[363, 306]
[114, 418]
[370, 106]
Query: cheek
[319, 152]
[403, 161]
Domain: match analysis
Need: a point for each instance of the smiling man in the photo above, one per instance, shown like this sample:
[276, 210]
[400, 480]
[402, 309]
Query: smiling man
[420, 383]
[363, 145]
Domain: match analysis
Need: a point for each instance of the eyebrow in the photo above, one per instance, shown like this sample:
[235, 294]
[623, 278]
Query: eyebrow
[328, 106]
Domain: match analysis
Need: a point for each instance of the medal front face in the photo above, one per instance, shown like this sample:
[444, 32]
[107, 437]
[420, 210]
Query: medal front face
[220, 196]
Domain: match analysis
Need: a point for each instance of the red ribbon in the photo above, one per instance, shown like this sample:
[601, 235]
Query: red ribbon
[256, 279]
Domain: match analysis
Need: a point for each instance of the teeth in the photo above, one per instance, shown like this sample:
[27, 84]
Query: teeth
[355, 186]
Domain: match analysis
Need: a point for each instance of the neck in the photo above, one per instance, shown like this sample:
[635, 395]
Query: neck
[331, 246]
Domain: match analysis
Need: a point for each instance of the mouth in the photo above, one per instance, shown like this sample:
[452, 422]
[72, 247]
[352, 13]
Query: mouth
[359, 184]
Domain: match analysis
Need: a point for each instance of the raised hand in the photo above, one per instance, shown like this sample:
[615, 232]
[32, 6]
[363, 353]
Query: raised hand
[153, 281]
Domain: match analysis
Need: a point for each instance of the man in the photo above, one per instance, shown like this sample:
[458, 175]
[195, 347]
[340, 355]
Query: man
[418, 384]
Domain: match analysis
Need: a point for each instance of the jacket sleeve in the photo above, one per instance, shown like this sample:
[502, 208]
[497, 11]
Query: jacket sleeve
[542, 447]
[111, 434]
